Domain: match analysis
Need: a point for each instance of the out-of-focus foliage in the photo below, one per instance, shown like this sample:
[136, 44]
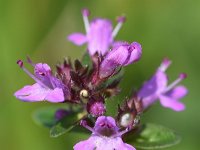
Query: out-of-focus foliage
[39, 29]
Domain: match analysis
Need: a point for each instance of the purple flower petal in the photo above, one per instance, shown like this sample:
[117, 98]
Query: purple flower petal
[105, 120]
[152, 88]
[86, 145]
[103, 143]
[42, 69]
[43, 72]
[171, 103]
[77, 38]
[105, 136]
[178, 92]
[99, 36]
[32, 93]
[113, 59]
[35, 92]
[55, 96]
[136, 52]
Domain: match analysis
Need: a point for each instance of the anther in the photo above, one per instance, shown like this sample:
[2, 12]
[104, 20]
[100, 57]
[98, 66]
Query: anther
[165, 64]
[20, 63]
[120, 20]
[85, 12]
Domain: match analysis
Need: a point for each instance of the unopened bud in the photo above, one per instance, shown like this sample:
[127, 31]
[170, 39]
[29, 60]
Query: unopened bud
[96, 108]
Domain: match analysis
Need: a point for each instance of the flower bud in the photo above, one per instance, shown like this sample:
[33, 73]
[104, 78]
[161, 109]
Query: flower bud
[61, 113]
[128, 113]
[121, 55]
[96, 108]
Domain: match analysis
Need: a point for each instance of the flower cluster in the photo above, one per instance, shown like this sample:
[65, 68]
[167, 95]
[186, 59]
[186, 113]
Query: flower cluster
[89, 84]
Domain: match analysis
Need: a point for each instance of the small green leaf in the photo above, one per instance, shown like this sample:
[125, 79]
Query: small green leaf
[152, 136]
[86, 60]
[45, 116]
[66, 124]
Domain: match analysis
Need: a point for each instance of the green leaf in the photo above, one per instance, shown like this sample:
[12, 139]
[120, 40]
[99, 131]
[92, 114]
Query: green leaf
[152, 136]
[45, 116]
[86, 60]
[66, 124]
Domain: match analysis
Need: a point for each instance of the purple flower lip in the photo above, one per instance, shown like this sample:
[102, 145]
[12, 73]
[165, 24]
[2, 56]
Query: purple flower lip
[105, 134]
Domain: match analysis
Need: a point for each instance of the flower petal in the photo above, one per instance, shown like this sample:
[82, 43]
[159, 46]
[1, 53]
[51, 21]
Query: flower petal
[152, 88]
[77, 38]
[43, 72]
[85, 145]
[136, 52]
[114, 59]
[171, 103]
[32, 93]
[99, 36]
[55, 96]
[178, 92]
[111, 144]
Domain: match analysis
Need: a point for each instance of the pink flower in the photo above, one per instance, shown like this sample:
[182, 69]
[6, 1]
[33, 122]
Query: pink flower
[156, 88]
[47, 87]
[99, 34]
[105, 136]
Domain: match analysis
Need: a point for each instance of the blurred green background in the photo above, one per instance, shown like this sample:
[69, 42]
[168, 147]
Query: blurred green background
[39, 28]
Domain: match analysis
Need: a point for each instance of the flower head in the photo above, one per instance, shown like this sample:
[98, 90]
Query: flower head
[47, 87]
[156, 88]
[105, 136]
[99, 34]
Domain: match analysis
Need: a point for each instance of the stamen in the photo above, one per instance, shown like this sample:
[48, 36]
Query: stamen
[30, 61]
[84, 124]
[177, 81]
[121, 21]
[121, 132]
[165, 64]
[86, 13]
[20, 63]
